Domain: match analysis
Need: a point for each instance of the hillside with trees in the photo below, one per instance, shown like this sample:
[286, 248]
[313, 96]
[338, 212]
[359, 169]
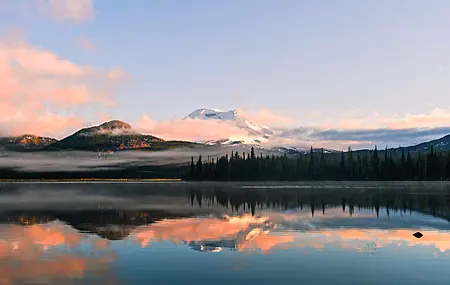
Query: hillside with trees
[372, 165]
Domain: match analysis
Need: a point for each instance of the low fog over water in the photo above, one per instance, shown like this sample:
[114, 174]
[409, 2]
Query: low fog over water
[81, 161]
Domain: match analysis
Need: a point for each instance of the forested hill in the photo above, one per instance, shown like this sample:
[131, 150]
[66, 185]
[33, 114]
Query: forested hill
[386, 165]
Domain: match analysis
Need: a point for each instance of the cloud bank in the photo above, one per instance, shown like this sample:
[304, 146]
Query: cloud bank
[364, 132]
[87, 161]
[360, 138]
[189, 129]
[40, 89]
[267, 117]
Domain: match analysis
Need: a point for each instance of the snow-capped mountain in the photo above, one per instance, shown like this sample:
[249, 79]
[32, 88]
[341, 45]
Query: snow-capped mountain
[256, 134]
[263, 138]
[208, 114]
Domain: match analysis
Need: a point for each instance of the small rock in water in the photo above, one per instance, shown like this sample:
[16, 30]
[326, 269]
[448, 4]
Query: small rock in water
[418, 235]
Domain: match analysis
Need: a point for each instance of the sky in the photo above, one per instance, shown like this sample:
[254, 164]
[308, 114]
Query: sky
[341, 66]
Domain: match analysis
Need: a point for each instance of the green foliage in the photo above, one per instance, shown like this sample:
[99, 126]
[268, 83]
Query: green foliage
[105, 142]
[25, 142]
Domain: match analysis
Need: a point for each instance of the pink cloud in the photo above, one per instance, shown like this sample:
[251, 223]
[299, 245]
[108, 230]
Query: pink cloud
[189, 129]
[7, 111]
[22, 252]
[346, 237]
[49, 125]
[67, 10]
[86, 44]
[195, 229]
[265, 117]
[437, 117]
[39, 88]
[103, 117]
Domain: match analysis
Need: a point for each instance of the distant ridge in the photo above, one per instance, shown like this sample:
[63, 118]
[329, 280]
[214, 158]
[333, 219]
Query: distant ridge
[116, 135]
[113, 135]
[25, 142]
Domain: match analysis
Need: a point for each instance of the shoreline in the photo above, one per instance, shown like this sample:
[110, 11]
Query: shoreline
[245, 184]
[94, 180]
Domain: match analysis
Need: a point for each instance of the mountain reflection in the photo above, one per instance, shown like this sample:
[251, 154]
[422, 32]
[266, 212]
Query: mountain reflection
[233, 220]
[213, 234]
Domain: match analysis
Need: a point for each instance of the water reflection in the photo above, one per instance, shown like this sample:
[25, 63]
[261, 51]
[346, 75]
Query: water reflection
[50, 253]
[60, 246]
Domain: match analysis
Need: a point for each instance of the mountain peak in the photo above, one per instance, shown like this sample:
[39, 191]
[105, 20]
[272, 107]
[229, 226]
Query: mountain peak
[210, 114]
[26, 141]
[30, 139]
[112, 135]
[256, 134]
[115, 124]
[114, 127]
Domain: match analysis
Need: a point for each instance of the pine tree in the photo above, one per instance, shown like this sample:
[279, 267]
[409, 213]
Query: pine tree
[409, 166]
[312, 173]
[402, 170]
[331, 166]
[421, 174]
[299, 168]
[359, 171]
[366, 167]
[375, 165]
[192, 175]
[322, 164]
[199, 168]
[432, 166]
[343, 171]
[350, 163]
[447, 167]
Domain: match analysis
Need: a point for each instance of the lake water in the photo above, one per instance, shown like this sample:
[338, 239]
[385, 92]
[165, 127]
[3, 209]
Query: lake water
[223, 233]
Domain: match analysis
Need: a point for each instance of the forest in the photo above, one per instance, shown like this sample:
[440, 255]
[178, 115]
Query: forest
[373, 165]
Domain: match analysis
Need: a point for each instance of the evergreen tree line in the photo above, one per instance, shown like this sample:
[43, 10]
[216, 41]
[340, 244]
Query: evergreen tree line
[375, 165]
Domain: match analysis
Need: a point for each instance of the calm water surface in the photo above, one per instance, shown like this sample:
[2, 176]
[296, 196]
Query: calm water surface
[178, 233]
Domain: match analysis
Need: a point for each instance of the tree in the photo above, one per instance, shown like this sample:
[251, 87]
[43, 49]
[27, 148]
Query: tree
[359, 171]
[409, 166]
[447, 167]
[252, 153]
[375, 165]
[322, 164]
[343, 171]
[312, 173]
[350, 163]
[420, 167]
[199, 168]
[432, 166]
[402, 170]
[366, 167]
[192, 169]
[331, 166]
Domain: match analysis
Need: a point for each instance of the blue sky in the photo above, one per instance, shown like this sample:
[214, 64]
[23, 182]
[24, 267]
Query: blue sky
[316, 62]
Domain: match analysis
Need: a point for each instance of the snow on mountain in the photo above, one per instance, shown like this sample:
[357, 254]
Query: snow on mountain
[261, 137]
[256, 134]
[214, 114]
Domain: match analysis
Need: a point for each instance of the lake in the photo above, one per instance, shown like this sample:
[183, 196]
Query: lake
[224, 233]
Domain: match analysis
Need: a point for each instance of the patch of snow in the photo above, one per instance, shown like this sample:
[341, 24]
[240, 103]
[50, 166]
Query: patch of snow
[256, 133]
[207, 114]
